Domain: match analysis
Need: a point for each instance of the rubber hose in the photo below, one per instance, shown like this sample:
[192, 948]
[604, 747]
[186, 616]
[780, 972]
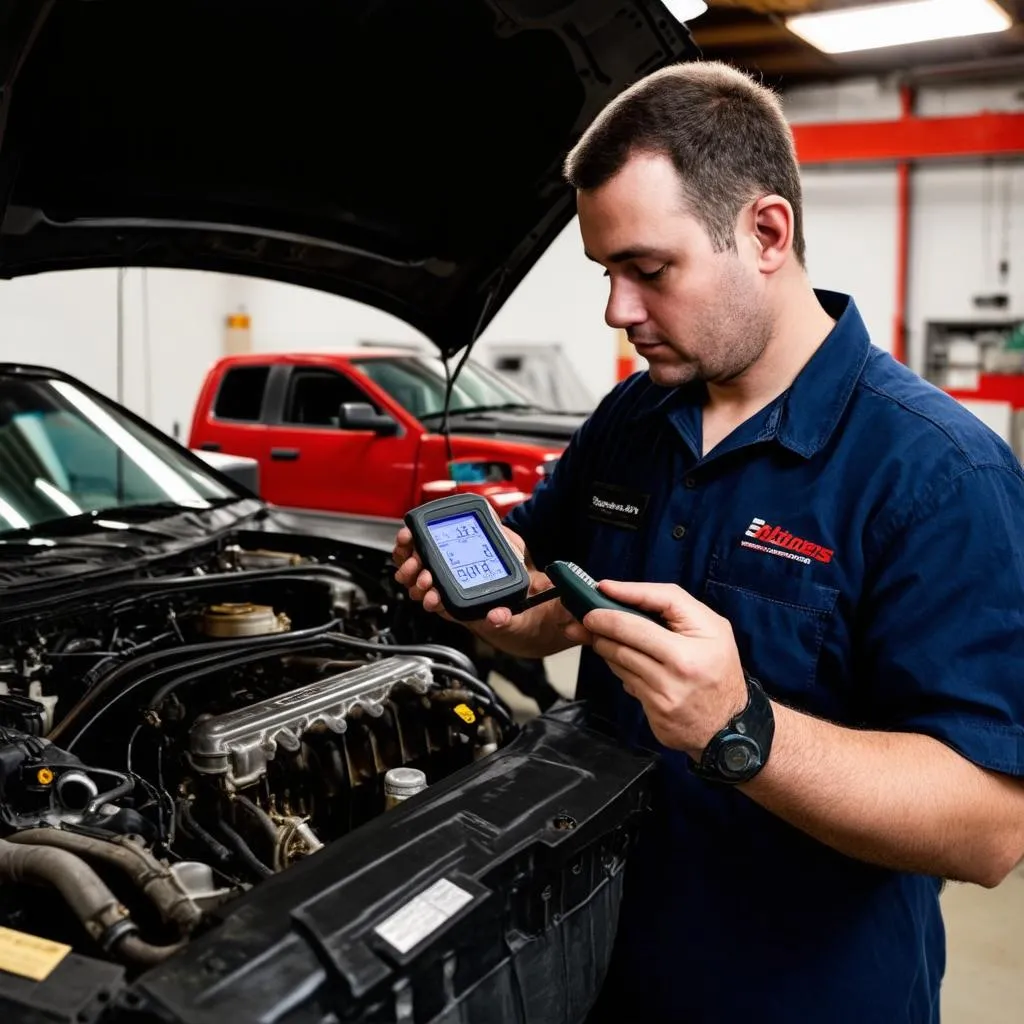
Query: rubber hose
[85, 893]
[83, 890]
[432, 651]
[261, 816]
[153, 879]
[217, 848]
[244, 851]
[131, 947]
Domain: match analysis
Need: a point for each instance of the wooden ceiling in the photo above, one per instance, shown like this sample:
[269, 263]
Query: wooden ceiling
[751, 34]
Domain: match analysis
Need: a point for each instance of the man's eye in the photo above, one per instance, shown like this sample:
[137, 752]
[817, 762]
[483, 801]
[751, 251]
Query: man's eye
[651, 275]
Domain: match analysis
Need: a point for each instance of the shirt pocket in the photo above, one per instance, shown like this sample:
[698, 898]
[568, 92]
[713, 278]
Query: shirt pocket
[779, 621]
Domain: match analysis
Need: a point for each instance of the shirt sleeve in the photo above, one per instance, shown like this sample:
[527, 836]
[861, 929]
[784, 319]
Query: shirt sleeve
[943, 643]
[545, 520]
[550, 519]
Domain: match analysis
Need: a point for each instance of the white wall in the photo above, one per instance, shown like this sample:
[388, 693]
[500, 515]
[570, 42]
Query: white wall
[963, 216]
[70, 320]
[964, 219]
[560, 300]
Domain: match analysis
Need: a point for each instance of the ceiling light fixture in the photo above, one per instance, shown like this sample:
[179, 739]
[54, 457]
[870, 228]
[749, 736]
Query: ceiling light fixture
[685, 10]
[897, 24]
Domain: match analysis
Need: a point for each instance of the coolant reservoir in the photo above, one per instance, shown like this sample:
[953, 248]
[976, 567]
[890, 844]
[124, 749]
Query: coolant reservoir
[241, 619]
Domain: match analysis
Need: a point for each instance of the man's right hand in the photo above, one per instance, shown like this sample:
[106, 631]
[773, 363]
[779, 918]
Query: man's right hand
[534, 633]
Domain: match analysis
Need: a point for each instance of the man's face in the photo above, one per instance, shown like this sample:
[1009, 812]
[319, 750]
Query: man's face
[691, 312]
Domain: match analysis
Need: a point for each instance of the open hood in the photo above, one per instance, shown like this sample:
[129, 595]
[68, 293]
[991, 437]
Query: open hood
[403, 153]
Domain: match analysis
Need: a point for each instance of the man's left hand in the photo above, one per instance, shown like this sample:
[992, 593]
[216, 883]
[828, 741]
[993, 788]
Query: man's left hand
[688, 676]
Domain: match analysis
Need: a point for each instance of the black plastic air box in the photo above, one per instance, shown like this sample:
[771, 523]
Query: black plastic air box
[491, 898]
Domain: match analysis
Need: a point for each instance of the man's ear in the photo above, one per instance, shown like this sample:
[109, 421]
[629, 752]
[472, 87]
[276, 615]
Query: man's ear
[773, 223]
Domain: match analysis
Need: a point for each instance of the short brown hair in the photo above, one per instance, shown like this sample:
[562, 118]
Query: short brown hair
[726, 135]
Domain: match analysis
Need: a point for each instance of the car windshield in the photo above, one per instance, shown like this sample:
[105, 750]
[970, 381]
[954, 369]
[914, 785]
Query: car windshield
[65, 452]
[418, 384]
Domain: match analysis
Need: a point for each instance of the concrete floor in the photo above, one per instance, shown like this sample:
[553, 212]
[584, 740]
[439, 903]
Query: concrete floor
[984, 927]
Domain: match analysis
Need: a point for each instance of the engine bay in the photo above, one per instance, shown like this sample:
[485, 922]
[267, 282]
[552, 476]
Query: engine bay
[169, 743]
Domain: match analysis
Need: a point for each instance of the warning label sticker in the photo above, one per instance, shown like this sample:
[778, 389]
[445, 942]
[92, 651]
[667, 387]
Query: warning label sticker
[29, 955]
[423, 915]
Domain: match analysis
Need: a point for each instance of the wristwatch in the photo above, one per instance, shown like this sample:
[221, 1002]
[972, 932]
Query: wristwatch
[739, 751]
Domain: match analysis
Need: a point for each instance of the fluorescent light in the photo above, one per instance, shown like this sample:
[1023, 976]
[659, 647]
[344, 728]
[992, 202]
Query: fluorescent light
[58, 497]
[12, 515]
[896, 24]
[685, 10]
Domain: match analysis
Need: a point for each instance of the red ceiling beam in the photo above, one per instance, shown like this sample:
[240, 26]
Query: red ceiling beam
[910, 138]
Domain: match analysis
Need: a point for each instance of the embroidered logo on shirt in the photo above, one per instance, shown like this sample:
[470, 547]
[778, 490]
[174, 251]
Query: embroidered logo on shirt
[774, 540]
[611, 504]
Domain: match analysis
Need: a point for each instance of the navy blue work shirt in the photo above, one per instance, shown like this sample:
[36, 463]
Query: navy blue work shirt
[864, 534]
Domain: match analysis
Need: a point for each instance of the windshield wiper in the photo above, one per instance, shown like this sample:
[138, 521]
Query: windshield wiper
[463, 410]
[40, 545]
[98, 519]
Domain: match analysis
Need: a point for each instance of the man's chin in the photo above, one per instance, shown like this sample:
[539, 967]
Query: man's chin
[671, 375]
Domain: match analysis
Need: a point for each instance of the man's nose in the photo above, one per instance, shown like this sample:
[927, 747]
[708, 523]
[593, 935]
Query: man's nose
[625, 308]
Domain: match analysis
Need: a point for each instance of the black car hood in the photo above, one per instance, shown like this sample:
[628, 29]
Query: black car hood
[403, 153]
[526, 426]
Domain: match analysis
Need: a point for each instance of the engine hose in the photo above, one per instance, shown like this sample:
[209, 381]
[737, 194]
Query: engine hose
[268, 826]
[131, 947]
[218, 849]
[436, 652]
[89, 898]
[153, 879]
[244, 851]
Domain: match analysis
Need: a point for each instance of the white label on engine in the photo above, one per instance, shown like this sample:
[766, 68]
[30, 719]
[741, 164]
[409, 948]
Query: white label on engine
[422, 915]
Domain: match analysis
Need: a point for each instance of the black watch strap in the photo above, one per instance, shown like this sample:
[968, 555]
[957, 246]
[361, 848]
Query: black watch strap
[739, 751]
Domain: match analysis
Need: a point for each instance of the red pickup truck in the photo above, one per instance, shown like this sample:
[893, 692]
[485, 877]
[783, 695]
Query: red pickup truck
[359, 432]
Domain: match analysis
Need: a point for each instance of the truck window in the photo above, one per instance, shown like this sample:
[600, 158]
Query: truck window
[315, 397]
[240, 396]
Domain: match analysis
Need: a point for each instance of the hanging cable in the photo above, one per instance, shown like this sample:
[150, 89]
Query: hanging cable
[147, 375]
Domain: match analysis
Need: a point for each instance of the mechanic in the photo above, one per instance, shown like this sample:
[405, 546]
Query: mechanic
[812, 521]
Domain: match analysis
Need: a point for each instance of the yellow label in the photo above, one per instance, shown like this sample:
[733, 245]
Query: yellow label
[44, 776]
[29, 955]
[465, 712]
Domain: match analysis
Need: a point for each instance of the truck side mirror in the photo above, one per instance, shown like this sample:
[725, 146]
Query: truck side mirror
[363, 416]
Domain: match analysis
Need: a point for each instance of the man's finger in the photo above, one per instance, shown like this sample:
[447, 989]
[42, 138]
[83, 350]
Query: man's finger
[499, 617]
[680, 610]
[628, 659]
[630, 630]
[424, 580]
[577, 634]
[408, 571]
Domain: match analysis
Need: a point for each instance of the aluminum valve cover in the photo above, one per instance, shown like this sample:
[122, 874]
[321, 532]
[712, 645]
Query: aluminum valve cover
[239, 743]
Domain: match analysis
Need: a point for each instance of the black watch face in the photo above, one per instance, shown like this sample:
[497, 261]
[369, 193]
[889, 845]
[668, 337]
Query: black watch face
[739, 756]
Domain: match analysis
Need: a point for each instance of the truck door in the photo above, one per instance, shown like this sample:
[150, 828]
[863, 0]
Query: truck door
[321, 459]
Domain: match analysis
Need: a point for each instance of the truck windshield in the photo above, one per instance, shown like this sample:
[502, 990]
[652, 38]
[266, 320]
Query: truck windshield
[65, 451]
[417, 383]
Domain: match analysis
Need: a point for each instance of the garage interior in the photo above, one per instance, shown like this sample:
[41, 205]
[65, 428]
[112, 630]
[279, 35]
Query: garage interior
[912, 160]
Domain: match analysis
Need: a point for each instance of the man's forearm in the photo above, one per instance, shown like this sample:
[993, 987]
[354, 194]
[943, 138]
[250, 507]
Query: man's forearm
[901, 800]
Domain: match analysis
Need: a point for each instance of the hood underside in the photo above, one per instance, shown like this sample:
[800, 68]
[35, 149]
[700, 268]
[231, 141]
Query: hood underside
[403, 153]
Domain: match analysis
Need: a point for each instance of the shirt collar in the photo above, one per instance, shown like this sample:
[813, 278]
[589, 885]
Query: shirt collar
[807, 414]
[818, 397]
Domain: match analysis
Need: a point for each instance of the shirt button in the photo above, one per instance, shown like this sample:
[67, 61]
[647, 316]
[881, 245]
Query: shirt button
[678, 531]
[690, 482]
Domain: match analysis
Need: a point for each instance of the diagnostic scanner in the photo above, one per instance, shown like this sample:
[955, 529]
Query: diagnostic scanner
[474, 567]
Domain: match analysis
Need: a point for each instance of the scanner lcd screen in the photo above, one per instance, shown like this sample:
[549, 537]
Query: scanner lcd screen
[467, 550]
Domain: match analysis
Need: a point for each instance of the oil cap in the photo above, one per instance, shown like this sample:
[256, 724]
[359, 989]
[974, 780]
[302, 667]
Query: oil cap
[402, 783]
